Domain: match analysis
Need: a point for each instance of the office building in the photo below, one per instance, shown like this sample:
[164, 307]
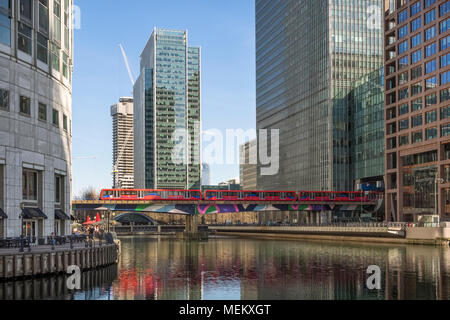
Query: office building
[309, 54]
[167, 109]
[206, 174]
[248, 165]
[36, 42]
[417, 72]
[123, 141]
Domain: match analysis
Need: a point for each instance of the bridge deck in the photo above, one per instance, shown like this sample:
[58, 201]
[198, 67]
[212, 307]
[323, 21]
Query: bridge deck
[206, 203]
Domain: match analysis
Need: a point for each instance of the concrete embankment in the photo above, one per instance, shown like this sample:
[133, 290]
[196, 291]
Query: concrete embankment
[421, 236]
[42, 261]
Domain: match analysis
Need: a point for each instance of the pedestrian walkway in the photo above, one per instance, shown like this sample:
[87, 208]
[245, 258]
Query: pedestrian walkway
[48, 248]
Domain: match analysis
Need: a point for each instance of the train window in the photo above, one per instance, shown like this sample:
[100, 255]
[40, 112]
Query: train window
[332, 196]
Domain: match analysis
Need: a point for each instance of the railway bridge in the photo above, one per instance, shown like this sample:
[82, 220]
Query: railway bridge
[193, 209]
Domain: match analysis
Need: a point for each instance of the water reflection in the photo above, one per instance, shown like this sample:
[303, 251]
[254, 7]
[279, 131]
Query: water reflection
[262, 269]
[96, 285]
[233, 269]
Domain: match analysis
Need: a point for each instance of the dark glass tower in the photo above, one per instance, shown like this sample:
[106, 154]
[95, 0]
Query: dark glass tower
[309, 53]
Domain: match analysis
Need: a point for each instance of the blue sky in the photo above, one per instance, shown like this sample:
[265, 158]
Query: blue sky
[224, 30]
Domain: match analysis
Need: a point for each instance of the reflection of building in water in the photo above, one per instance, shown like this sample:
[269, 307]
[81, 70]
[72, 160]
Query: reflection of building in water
[95, 285]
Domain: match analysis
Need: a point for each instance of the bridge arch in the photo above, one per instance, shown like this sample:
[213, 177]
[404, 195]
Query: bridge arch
[135, 218]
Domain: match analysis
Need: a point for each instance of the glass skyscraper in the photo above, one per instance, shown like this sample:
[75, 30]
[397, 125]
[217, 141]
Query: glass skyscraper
[168, 113]
[309, 53]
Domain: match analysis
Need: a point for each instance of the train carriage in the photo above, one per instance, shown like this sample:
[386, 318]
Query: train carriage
[225, 195]
[150, 195]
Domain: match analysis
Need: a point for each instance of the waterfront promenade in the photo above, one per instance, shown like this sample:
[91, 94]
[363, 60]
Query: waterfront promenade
[48, 259]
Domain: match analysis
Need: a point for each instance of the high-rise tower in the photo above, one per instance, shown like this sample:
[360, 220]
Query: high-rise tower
[167, 109]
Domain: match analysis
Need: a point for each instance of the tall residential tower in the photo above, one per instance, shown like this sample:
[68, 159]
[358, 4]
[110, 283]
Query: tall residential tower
[309, 53]
[167, 109]
[123, 141]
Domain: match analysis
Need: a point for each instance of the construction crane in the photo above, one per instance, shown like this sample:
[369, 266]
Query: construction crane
[115, 171]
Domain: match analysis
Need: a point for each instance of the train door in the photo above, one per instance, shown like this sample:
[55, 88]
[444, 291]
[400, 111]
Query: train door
[332, 196]
[283, 195]
[219, 195]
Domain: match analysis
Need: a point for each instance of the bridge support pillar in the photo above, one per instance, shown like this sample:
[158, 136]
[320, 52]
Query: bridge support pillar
[192, 224]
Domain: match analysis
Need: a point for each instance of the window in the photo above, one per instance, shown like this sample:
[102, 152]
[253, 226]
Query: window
[59, 189]
[445, 130]
[430, 16]
[445, 113]
[403, 62]
[416, 8]
[430, 66]
[416, 72]
[430, 50]
[26, 10]
[65, 65]
[416, 105]
[29, 185]
[431, 133]
[42, 112]
[416, 24]
[403, 47]
[444, 25]
[403, 94]
[403, 140]
[445, 95]
[430, 83]
[445, 60]
[445, 77]
[417, 137]
[431, 100]
[24, 38]
[416, 56]
[403, 125]
[430, 33]
[403, 109]
[402, 78]
[57, 20]
[402, 32]
[402, 16]
[42, 48]
[55, 57]
[429, 3]
[416, 40]
[25, 105]
[431, 117]
[65, 122]
[4, 99]
[43, 16]
[416, 121]
[5, 22]
[445, 43]
[416, 88]
[55, 119]
[444, 9]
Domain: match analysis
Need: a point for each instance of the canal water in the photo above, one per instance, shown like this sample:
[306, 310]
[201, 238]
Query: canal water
[250, 269]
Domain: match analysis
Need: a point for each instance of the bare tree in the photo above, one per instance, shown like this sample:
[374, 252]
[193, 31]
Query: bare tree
[89, 193]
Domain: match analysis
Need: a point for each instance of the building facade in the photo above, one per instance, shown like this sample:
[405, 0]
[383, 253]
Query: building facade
[309, 53]
[123, 144]
[366, 100]
[206, 174]
[167, 109]
[417, 67]
[36, 41]
[248, 165]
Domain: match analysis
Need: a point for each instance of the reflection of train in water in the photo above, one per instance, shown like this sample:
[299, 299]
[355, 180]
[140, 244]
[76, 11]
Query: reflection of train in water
[237, 195]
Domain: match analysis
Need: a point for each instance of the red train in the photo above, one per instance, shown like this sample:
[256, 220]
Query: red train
[237, 195]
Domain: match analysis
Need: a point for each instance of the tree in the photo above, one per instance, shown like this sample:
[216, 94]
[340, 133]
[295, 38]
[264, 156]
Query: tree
[89, 193]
